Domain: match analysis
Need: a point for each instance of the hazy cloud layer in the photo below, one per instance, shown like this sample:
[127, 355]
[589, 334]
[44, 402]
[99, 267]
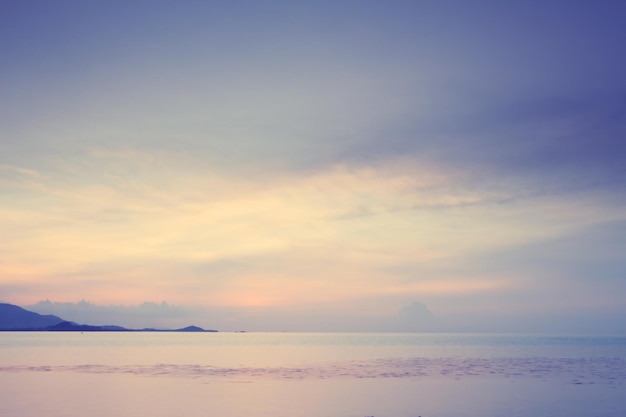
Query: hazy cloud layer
[147, 314]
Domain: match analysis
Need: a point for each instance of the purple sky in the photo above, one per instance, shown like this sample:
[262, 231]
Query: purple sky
[316, 166]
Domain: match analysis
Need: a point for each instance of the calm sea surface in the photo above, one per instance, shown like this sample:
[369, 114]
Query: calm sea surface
[310, 375]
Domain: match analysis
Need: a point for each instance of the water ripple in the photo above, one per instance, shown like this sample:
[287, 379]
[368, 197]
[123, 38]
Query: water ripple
[596, 370]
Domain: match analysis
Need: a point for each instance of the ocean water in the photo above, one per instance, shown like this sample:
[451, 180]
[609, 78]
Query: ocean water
[310, 375]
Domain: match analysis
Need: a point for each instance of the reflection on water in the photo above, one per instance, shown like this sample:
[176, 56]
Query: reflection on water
[309, 375]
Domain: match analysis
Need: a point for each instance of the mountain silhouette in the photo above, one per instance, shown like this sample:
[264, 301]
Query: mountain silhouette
[15, 318]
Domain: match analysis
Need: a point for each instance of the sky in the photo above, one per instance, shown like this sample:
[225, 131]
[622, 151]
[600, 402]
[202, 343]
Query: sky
[315, 166]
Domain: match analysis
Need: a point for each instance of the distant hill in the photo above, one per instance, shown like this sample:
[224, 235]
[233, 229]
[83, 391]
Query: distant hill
[193, 329]
[68, 326]
[14, 317]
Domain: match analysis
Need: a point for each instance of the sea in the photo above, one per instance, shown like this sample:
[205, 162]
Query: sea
[158, 374]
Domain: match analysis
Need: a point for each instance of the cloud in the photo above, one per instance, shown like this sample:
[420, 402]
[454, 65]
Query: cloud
[416, 317]
[19, 171]
[146, 217]
[147, 314]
